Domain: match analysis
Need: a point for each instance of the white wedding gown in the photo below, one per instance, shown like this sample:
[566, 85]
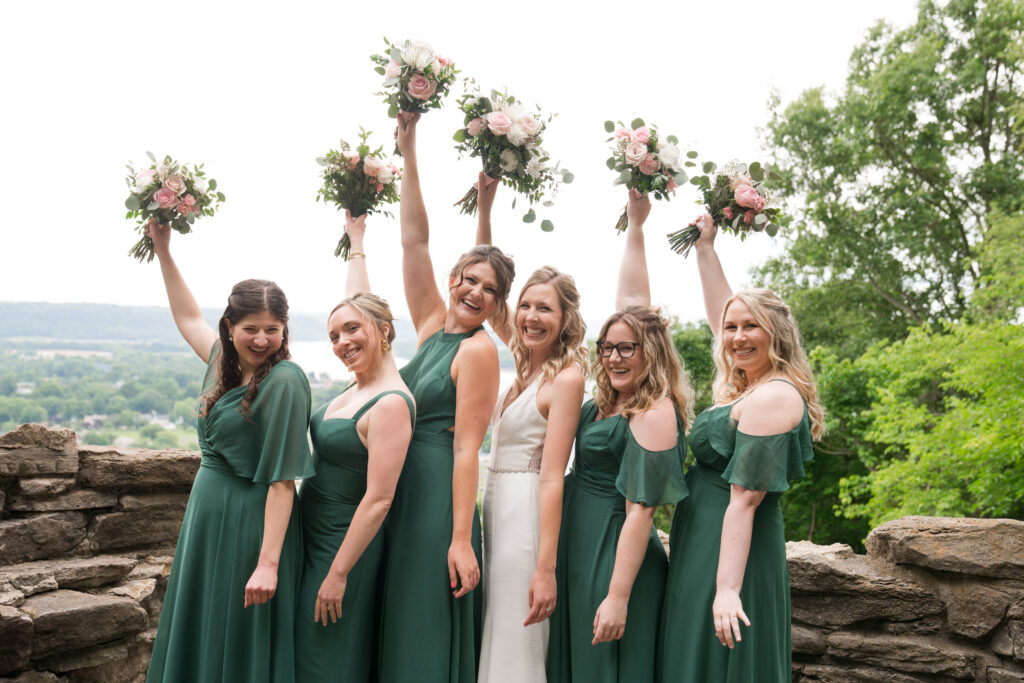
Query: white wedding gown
[511, 534]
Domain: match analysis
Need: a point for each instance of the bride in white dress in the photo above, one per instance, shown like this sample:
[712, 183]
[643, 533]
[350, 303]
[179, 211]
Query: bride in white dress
[532, 431]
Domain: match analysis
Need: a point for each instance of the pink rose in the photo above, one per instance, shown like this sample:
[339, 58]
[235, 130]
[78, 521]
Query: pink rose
[641, 134]
[736, 181]
[621, 133]
[476, 126]
[392, 70]
[728, 212]
[499, 122]
[353, 159]
[748, 217]
[650, 165]
[436, 66]
[373, 166]
[444, 60]
[747, 197]
[175, 184]
[635, 153]
[187, 205]
[379, 187]
[671, 186]
[421, 87]
[166, 198]
[531, 125]
[144, 178]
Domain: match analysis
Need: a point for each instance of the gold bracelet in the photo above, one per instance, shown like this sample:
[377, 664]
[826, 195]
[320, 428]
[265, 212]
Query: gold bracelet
[356, 254]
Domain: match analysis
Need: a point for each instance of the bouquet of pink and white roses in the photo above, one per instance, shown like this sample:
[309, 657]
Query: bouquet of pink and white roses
[645, 162]
[738, 201]
[168, 192]
[415, 77]
[359, 180]
[507, 138]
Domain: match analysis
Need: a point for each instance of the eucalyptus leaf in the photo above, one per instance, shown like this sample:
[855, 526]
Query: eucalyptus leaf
[546, 225]
[567, 177]
[760, 218]
[637, 123]
[680, 178]
[379, 70]
[691, 154]
[609, 126]
[132, 203]
[610, 163]
[152, 206]
[709, 167]
[772, 229]
[151, 157]
[212, 186]
[548, 203]
[530, 216]
[460, 135]
[393, 111]
[672, 140]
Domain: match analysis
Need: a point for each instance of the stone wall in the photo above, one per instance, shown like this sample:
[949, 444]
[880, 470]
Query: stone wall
[87, 535]
[86, 539]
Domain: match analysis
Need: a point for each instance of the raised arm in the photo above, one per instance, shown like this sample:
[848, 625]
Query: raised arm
[388, 431]
[634, 283]
[712, 277]
[476, 391]
[655, 430]
[187, 316]
[563, 416]
[426, 305]
[358, 278]
[487, 187]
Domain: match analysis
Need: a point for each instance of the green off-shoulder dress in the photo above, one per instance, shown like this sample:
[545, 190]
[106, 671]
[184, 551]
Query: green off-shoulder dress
[340, 651]
[610, 467]
[426, 635]
[689, 649]
[205, 635]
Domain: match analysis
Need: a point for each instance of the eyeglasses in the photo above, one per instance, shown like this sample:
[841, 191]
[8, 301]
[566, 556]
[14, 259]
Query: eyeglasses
[625, 349]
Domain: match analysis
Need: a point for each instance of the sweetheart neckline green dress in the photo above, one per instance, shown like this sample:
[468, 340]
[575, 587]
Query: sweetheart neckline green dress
[341, 650]
[689, 649]
[205, 635]
[426, 635]
[610, 467]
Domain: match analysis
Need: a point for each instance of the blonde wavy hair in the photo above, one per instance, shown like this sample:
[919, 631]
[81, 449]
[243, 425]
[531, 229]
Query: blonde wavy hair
[786, 354]
[374, 309]
[662, 372]
[570, 349]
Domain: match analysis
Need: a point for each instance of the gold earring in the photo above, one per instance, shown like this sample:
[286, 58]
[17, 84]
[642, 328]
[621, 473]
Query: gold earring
[384, 345]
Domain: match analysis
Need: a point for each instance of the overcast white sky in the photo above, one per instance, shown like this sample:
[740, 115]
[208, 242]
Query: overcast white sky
[258, 90]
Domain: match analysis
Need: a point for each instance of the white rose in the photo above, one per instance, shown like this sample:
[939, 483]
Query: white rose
[202, 187]
[531, 125]
[417, 54]
[373, 166]
[670, 156]
[535, 167]
[517, 134]
[515, 110]
[392, 70]
[509, 160]
[384, 176]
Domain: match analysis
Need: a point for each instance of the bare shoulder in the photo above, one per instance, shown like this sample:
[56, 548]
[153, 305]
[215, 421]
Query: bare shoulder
[772, 408]
[569, 380]
[655, 429]
[392, 408]
[478, 348]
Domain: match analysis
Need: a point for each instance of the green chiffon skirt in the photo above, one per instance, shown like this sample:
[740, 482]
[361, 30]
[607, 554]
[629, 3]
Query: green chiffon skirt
[205, 634]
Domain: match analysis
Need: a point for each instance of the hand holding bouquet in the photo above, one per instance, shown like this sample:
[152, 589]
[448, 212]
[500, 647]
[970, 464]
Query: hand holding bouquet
[167, 192]
[737, 200]
[507, 138]
[359, 180]
[645, 162]
[416, 79]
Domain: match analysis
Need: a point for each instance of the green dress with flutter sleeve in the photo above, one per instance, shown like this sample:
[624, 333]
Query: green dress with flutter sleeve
[426, 635]
[688, 647]
[610, 468]
[204, 633]
[343, 650]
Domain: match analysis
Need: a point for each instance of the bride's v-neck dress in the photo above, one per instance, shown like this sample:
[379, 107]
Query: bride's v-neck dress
[511, 521]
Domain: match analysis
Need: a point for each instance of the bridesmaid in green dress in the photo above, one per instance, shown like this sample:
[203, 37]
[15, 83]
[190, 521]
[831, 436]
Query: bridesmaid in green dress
[630, 446]
[359, 442]
[728, 563]
[228, 614]
[430, 615]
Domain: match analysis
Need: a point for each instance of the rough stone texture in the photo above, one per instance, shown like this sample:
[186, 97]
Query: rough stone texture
[831, 585]
[132, 468]
[44, 486]
[1016, 632]
[844, 674]
[905, 654]
[808, 641]
[34, 449]
[90, 657]
[999, 675]
[15, 639]
[143, 592]
[68, 620]
[118, 530]
[155, 501]
[46, 535]
[75, 500]
[975, 609]
[980, 547]
[34, 677]
[88, 572]
[129, 669]
[9, 595]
